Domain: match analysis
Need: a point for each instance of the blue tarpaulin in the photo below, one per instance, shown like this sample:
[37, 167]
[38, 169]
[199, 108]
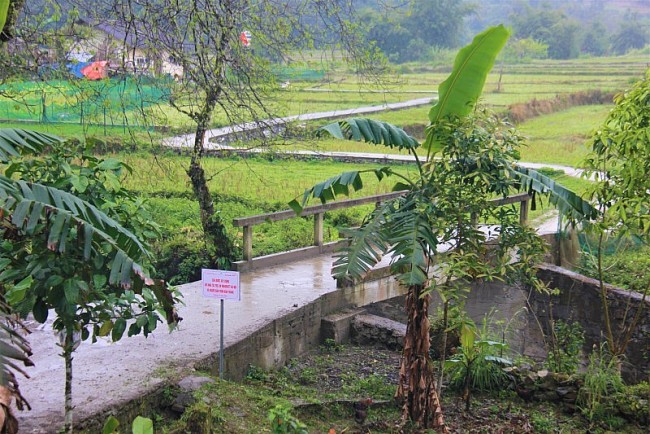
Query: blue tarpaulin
[75, 68]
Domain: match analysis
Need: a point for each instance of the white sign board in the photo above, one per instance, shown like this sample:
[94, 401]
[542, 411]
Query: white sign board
[221, 284]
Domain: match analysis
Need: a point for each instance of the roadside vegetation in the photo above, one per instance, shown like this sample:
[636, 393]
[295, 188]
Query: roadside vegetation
[318, 391]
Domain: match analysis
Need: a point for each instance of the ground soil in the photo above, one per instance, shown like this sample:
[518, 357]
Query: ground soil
[330, 369]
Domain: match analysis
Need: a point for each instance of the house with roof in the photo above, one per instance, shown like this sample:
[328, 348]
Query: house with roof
[125, 49]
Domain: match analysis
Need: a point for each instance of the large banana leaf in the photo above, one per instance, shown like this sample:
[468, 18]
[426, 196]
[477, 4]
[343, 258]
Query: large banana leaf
[340, 184]
[4, 8]
[458, 94]
[413, 242]
[30, 205]
[367, 246]
[566, 201]
[15, 142]
[370, 131]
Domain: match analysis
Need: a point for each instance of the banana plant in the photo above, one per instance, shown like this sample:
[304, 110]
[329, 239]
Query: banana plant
[65, 246]
[469, 158]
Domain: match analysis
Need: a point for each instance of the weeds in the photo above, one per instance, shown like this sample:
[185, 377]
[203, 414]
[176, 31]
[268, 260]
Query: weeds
[565, 344]
[283, 422]
[602, 380]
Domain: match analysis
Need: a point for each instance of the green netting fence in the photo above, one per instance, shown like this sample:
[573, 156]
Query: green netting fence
[108, 102]
[611, 246]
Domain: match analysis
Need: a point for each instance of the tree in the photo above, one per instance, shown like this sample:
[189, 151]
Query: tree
[402, 34]
[631, 34]
[594, 40]
[551, 27]
[71, 242]
[223, 75]
[619, 161]
[524, 50]
[442, 204]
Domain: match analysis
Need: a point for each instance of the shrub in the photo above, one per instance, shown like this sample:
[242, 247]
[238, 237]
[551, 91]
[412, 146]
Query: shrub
[566, 342]
[283, 422]
[180, 259]
[477, 365]
[633, 402]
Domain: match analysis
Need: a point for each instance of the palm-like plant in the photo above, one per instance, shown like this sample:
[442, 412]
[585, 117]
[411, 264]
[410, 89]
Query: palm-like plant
[59, 251]
[440, 207]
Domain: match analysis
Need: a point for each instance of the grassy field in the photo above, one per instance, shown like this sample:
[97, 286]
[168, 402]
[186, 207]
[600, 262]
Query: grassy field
[253, 186]
[338, 89]
[562, 138]
[246, 187]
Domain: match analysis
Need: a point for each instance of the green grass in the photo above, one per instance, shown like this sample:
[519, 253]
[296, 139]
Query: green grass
[562, 137]
[250, 179]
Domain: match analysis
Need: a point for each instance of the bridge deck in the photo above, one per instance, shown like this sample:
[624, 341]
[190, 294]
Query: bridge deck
[106, 373]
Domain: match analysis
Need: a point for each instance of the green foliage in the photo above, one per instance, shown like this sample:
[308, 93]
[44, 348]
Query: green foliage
[373, 385]
[441, 206]
[459, 93]
[620, 155]
[255, 373]
[283, 422]
[625, 262]
[331, 346]
[4, 8]
[633, 402]
[549, 26]
[620, 161]
[72, 202]
[602, 380]
[542, 423]
[141, 425]
[632, 33]
[565, 343]
[524, 50]
[376, 132]
[180, 259]
[478, 363]
[111, 425]
[594, 40]
[412, 31]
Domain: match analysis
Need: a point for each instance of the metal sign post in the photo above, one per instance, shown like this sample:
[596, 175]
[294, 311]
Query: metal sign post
[223, 285]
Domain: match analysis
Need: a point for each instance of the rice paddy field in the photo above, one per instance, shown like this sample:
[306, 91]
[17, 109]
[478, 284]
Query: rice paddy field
[258, 185]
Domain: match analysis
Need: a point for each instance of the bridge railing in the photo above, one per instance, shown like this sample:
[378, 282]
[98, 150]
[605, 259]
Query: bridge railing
[318, 211]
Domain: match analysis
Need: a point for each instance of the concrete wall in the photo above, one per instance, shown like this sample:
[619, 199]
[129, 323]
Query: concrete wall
[298, 331]
[523, 315]
[509, 307]
[579, 300]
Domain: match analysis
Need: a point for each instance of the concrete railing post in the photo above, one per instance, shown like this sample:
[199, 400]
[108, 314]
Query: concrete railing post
[523, 211]
[318, 229]
[248, 243]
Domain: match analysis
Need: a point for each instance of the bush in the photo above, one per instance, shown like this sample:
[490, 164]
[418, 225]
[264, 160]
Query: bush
[633, 402]
[180, 259]
[602, 381]
[565, 347]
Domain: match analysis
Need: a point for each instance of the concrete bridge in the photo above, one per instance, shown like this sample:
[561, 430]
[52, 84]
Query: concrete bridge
[284, 298]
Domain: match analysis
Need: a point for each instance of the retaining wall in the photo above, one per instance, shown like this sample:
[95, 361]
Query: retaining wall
[293, 334]
[579, 300]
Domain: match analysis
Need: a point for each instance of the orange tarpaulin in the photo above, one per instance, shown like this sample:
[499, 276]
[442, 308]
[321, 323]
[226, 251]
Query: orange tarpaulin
[95, 71]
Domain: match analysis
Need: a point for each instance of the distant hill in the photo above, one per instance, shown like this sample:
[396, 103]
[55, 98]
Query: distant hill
[642, 7]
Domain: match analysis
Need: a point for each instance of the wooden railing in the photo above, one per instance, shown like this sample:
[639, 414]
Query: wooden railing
[318, 211]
